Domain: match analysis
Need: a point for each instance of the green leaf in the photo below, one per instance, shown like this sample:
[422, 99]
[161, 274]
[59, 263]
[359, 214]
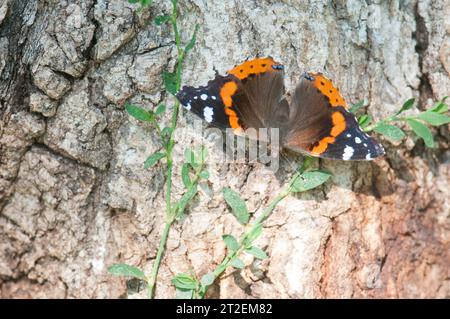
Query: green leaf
[257, 252]
[189, 156]
[170, 82]
[203, 153]
[237, 263]
[160, 109]
[208, 279]
[166, 131]
[390, 131]
[191, 43]
[139, 113]
[204, 174]
[159, 20]
[434, 118]
[184, 293]
[310, 180]
[237, 205]
[440, 107]
[127, 270]
[133, 1]
[184, 281]
[364, 120]
[185, 175]
[230, 242]
[185, 199]
[422, 131]
[407, 105]
[153, 159]
[146, 2]
[357, 106]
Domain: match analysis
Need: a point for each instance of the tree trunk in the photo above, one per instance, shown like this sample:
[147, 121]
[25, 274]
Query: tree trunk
[75, 198]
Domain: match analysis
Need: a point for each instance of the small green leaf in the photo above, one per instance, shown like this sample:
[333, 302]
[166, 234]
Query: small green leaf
[440, 106]
[159, 20]
[390, 131]
[204, 174]
[310, 180]
[185, 175]
[160, 109]
[357, 106]
[170, 82]
[126, 270]
[166, 132]
[257, 252]
[133, 1]
[153, 159]
[434, 118]
[230, 242]
[189, 156]
[422, 131]
[407, 105]
[184, 281]
[191, 43]
[185, 199]
[203, 153]
[208, 279]
[184, 293]
[237, 263]
[139, 113]
[364, 120]
[237, 205]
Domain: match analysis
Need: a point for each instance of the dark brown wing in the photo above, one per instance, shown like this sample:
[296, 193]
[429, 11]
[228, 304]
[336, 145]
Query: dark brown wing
[321, 125]
[260, 101]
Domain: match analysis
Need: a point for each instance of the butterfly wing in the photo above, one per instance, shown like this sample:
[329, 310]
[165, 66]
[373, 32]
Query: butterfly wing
[321, 125]
[259, 99]
[250, 96]
[208, 103]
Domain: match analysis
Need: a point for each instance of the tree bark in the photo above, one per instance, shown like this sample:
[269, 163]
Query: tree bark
[75, 198]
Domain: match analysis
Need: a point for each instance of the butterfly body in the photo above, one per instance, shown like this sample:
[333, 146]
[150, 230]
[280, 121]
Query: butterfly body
[316, 122]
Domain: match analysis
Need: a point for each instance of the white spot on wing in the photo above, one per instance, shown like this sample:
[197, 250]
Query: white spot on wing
[349, 135]
[368, 157]
[195, 97]
[204, 97]
[348, 153]
[208, 113]
[187, 106]
[357, 140]
[365, 145]
[213, 97]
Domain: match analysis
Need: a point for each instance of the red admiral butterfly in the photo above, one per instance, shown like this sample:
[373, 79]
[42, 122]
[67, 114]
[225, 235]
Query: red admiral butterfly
[252, 95]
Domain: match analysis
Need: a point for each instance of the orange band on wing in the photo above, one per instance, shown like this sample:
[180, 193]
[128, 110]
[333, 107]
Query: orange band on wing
[325, 86]
[338, 124]
[226, 93]
[338, 127]
[255, 66]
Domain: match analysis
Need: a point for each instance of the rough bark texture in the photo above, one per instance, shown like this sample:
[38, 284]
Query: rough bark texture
[74, 197]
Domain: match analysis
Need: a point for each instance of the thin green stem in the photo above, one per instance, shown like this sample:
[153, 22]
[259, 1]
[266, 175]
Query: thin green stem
[152, 279]
[245, 240]
[170, 217]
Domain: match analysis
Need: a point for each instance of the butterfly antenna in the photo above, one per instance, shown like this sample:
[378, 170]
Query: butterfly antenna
[216, 73]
